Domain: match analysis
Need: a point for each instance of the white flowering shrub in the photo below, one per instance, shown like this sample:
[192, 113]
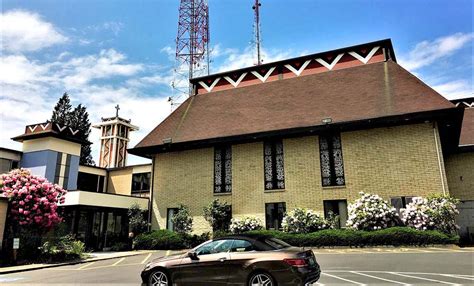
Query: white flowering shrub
[302, 220]
[245, 224]
[434, 213]
[371, 212]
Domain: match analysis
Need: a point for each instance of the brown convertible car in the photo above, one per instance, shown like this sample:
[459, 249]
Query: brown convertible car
[235, 260]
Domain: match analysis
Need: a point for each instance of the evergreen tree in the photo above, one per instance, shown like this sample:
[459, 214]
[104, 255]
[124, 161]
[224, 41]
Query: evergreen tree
[77, 119]
[62, 110]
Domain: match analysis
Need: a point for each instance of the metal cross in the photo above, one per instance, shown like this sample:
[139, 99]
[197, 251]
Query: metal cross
[117, 110]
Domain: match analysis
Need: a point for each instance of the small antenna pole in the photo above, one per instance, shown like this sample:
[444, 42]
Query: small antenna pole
[256, 8]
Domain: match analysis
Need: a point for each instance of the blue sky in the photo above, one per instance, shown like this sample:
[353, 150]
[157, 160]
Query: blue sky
[109, 52]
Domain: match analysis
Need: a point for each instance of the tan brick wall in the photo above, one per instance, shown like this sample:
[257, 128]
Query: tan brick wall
[396, 161]
[120, 182]
[460, 172]
[3, 218]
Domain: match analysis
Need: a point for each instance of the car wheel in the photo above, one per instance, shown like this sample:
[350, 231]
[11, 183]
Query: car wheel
[261, 279]
[158, 278]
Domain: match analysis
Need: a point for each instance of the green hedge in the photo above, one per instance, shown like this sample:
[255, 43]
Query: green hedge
[395, 236]
[165, 239]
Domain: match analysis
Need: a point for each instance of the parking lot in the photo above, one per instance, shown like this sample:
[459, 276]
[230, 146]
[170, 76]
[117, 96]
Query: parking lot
[374, 266]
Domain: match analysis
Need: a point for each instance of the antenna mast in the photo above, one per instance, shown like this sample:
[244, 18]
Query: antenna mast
[192, 45]
[256, 8]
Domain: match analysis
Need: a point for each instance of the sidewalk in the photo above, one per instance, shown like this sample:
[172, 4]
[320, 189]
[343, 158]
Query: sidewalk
[95, 256]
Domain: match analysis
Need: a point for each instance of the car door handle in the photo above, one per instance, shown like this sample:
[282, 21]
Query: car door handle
[222, 259]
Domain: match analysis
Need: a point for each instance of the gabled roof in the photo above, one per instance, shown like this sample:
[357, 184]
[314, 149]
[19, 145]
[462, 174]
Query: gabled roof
[467, 130]
[367, 92]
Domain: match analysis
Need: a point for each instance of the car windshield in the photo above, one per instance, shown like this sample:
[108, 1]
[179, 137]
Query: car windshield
[276, 243]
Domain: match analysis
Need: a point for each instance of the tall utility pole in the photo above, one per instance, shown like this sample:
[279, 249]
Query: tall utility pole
[192, 41]
[256, 8]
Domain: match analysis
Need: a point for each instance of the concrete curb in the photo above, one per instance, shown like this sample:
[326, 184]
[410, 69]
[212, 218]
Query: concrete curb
[30, 267]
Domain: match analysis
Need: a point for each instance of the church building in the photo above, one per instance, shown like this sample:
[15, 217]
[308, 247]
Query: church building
[312, 132]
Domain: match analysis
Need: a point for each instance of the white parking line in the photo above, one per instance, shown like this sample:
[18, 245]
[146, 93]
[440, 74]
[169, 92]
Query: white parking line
[343, 279]
[168, 252]
[120, 260]
[423, 278]
[146, 258]
[383, 279]
[86, 265]
[458, 276]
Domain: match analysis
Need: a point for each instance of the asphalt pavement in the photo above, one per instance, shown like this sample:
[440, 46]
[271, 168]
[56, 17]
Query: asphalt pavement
[384, 266]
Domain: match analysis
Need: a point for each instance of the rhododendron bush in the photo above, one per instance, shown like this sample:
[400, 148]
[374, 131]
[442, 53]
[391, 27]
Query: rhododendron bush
[245, 224]
[33, 200]
[371, 212]
[433, 213]
[302, 220]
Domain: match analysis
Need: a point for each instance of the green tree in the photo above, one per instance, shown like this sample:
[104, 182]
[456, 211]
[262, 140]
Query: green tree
[78, 119]
[62, 110]
[182, 220]
[136, 220]
[218, 215]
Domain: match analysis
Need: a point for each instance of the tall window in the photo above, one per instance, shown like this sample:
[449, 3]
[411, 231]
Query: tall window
[332, 164]
[400, 202]
[61, 176]
[274, 213]
[274, 165]
[169, 218]
[336, 210]
[223, 169]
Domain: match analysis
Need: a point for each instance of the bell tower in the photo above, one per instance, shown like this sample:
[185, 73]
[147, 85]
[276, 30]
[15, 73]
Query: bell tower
[114, 138]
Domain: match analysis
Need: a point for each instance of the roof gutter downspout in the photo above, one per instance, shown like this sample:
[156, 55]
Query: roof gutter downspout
[435, 131]
[150, 203]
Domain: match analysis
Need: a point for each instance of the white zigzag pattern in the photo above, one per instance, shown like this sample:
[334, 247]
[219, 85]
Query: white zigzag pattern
[334, 62]
[72, 131]
[263, 78]
[209, 88]
[60, 128]
[236, 83]
[367, 58]
[32, 129]
[44, 126]
[297, 72]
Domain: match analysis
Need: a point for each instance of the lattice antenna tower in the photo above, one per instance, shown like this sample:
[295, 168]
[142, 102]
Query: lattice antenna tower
[192, 46]
[256, 30]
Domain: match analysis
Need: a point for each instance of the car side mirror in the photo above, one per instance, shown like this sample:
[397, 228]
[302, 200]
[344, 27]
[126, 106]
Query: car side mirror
[193, 255]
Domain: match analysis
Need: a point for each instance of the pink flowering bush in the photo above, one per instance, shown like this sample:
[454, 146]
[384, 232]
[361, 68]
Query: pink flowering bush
[434, 213]
[33, 200]
[371, 212]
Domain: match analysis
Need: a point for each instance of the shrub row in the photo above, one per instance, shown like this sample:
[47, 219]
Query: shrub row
[165, 239]
[395, 236]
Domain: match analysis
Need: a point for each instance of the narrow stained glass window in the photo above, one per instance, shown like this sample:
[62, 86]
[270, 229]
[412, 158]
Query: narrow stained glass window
[332, 163]
[223, 169]
[274, 165]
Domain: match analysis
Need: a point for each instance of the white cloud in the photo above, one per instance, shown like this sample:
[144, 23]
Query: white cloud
[113, 26]
[18, 70]
[455, 89]
[24, 31]
[109, 63]
[427, 52]
[235, 59]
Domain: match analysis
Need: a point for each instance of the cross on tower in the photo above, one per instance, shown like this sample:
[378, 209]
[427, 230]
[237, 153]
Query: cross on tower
[117, 110]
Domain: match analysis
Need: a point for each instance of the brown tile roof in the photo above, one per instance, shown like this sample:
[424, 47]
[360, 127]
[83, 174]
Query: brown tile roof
[369, 91]
[467, 130]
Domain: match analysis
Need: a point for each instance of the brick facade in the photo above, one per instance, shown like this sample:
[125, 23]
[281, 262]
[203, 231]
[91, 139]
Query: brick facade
[392, 161]
[460, 172]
